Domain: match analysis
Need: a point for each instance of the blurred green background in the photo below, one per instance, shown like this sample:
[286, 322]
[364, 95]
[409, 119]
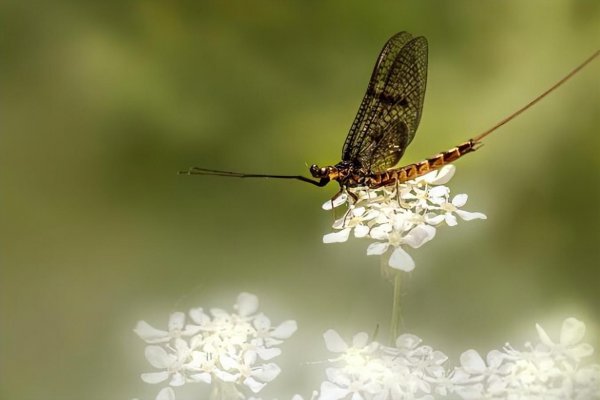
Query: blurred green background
[103, 102]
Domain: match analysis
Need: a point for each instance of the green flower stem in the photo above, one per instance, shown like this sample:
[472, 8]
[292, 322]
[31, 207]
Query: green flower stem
[395, 320]
[394, 276]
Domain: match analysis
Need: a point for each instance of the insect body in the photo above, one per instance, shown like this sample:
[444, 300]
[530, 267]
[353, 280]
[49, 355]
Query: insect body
[349, 176]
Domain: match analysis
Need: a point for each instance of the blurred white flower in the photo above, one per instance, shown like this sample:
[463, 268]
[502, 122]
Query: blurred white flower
[371, 371]
[171, 359]
[226, 348]
[410, 370]
[396, 217]
[545, 371]
[569, 346]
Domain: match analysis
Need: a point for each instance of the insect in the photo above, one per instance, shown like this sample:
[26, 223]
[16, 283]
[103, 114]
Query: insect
[386, 123]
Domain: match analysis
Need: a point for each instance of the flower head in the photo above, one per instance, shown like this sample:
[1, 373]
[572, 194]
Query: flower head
[401, 216]
[230, 347]
[546, 370]
[370, 370]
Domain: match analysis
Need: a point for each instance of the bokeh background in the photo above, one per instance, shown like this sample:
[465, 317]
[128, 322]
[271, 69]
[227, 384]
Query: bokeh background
[103, 102]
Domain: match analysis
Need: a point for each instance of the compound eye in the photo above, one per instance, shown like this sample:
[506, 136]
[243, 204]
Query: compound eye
[314, 170]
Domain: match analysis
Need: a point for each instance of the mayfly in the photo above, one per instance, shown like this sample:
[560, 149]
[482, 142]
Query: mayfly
[386, 123]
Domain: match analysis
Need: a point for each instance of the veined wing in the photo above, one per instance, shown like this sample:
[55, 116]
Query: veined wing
[389, 114]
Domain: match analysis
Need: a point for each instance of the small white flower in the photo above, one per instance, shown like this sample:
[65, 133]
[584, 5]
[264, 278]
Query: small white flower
[449, 208]
[267, 336]
[171, 360]
[400, 216]
[350, 354]
[220, 346]
[569, 345]
[371, 371]
[547, 370]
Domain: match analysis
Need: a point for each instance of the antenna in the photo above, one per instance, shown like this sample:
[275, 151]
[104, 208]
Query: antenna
[230, 174]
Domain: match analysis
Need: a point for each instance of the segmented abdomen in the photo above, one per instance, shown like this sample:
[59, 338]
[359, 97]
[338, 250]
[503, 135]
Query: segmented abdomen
[412, 171]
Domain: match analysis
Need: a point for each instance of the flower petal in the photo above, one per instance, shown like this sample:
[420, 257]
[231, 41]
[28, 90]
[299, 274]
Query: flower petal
[225, 376]
[334, 342]
[459, 200]
[182, 348]
[358, 395]
[408, 341]
[572, 331]
[442, 176]
[544, 336]
[285, 329]
[357, 211]
[177, 379]
[155, 377]
[377, 248]
[246, 304]
[419, 235]
[468, 216]
[176, 321]
[337, 237]
[158, 357]
[267, 354]
[199, 316]
[435, 219]
[262, 322]
[329, 391]
[495, 358]
[201, 377]
[381, 232]
[150, 334]
[253, 384]
[228, 362]
[190, 330]
[338, 201]
[472, 362]
[267, 373]
[166, 393]
[401, 260]
[360, 340]
[438, 191]
[339, 376]
[580, 351]
[361, 231]
[450, 219]
[340, 223]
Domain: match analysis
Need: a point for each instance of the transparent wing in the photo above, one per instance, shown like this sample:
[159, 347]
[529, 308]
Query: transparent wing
[389, 114]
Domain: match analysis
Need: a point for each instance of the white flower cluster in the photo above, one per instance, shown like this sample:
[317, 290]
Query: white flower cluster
[406, 214]
[226, 349]
[547, 371]
[371, 371]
